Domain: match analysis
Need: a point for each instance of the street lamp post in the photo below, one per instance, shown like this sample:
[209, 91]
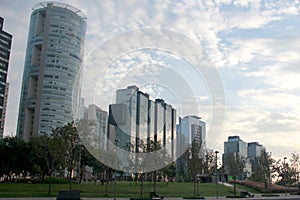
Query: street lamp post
[116, 141]
[270, 175]
[285, 178]
[217, 189]
[79, 165]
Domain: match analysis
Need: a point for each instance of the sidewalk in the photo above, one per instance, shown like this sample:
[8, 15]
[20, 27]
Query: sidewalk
[256, 197]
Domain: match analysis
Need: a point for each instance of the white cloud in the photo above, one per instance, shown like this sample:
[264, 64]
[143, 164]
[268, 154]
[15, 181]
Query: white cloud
[217, 26]
[271, 100]
[276, 131]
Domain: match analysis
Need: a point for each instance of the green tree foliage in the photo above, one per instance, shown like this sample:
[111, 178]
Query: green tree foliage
[49, 149]
[71, 146]
[15, 157]
[170, 171]
[194, 162]
[149, 147]
[288, 172]
[295, 167]
[265, 169]
[209, 164]
[235, 166]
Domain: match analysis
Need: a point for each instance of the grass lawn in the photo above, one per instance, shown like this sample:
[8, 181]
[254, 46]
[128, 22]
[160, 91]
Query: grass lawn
[123, 189]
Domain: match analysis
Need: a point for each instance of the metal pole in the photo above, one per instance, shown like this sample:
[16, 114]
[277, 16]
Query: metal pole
[79, 167]
[217, 189]
[115, 190]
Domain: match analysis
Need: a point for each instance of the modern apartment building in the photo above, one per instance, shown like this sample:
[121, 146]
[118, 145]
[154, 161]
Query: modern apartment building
[50, 94]
[5, 47]
[138, 120]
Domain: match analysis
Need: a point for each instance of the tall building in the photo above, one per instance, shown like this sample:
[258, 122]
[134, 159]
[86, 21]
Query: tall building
[124, 113]
[50, 94]
[5, 46]
[99, 130]
[190, 129]
[235, 145]
[137, 119]
[3, 116]
[254, 151]
[237, 148]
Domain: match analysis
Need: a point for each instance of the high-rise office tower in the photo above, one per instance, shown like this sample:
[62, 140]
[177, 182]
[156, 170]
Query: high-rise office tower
[236, 149]
[165, 126]
[99, 127]
[235, 145]
[50, 92]
[138, 120]
[254, 151]
[190, 129]
[5, 46]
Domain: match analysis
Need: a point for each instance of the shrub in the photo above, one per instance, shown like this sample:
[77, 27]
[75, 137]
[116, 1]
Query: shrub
[55, 180]
[261, 187]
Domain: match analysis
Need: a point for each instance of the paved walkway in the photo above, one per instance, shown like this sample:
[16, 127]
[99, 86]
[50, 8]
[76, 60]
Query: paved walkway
[256, 197]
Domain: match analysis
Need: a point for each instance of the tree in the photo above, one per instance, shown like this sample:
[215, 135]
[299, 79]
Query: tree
[170, 171]
[295, 165]
[71, 146]
[235, 165]
[49, 148]
[15, 158]
[209, 164]
[265, 163]
[195, 163]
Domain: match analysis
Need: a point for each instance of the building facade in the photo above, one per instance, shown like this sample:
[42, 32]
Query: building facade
[254, 150]
[5, 47]
[235, 150]
[138, 120]
[99, 128]
[235, 145]
[191, 129]
[50, 94]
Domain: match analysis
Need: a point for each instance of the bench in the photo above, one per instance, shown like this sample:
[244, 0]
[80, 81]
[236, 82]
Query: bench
[246, 194]
[68, 195]
[154, 196]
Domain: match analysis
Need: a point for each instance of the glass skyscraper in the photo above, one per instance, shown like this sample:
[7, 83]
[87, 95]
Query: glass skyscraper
[5, 46]
[137, 120]
[190, 129]
[50, 92]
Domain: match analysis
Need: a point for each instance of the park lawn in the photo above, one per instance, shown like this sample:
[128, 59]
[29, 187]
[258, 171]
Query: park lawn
[123, 189]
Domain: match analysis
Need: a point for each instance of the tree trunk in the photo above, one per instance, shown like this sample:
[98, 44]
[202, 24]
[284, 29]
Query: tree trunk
[154, 184]
[50, 182]
[43, 175]
[234, 185]
[70, 179]
[81, 173]
[195, 186]
[106, 184]
[142, 186]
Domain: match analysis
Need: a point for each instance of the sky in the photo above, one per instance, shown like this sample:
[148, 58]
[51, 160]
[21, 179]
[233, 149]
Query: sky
[253, 46]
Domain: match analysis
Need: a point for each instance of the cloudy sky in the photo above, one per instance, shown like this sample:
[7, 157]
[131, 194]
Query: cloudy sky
[254, 45]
